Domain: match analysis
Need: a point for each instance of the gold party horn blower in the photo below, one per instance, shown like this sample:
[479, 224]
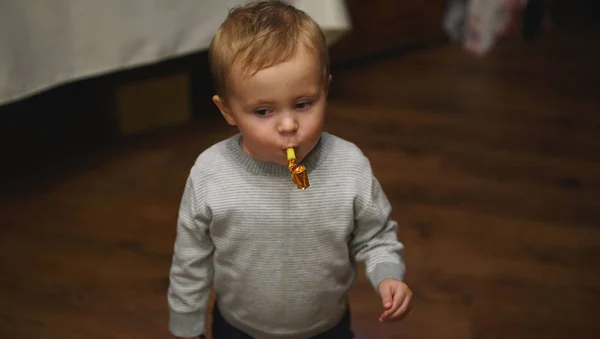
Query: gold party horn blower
[299, 175]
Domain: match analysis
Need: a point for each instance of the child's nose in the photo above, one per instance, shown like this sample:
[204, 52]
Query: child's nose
[287, 124]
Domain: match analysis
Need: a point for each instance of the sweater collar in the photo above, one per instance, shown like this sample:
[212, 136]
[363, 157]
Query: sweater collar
[311, 161]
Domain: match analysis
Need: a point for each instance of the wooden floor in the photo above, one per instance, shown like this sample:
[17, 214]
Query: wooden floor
[492, 166]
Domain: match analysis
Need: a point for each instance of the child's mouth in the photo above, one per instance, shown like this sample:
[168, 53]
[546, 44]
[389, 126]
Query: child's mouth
[295, 149]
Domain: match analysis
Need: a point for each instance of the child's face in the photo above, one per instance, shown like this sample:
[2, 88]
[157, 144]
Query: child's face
[278, 107]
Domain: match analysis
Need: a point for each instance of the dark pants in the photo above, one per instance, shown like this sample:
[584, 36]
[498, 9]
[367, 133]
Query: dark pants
[221, 329]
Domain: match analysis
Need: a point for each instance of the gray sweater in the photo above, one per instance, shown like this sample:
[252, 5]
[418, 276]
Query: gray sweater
[281, 260]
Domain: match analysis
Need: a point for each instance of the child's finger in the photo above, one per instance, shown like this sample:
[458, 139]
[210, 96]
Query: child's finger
[404, 308]
[398, 298]
[386, 298]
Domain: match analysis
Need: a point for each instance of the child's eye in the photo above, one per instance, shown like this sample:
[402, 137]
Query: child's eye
[262, 112]
[303, 105]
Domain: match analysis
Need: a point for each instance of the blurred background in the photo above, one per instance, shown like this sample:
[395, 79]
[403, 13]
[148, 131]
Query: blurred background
[481, 120]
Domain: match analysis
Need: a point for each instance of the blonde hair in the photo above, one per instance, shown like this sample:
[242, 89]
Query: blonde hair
[262, 34]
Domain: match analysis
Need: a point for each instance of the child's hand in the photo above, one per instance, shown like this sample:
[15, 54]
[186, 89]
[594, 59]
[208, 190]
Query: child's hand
[396, 297]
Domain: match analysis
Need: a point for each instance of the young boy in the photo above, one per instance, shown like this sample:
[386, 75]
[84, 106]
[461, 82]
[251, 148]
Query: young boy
[280, 259]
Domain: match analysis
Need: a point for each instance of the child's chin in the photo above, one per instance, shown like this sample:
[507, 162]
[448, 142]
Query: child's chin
[282, 162]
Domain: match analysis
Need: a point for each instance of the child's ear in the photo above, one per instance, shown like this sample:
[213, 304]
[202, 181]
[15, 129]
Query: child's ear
[328, 84]
[224, 110]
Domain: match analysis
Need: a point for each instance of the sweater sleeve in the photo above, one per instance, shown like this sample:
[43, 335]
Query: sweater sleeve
[191, 272]
[375, 240]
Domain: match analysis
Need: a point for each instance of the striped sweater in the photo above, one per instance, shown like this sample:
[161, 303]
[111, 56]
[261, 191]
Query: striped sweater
[281, 260]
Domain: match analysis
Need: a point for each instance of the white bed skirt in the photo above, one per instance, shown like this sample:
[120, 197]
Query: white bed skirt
[47, 43]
